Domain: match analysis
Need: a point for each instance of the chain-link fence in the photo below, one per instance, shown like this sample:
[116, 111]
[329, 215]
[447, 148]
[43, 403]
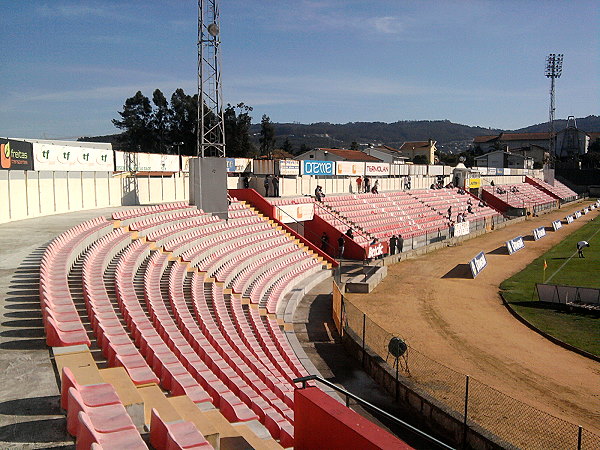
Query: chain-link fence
[513, 422]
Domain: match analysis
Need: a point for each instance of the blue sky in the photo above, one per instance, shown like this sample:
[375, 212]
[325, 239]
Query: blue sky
[68, 66]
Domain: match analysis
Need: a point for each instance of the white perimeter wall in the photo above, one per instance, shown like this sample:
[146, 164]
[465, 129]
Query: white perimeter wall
[27, 194]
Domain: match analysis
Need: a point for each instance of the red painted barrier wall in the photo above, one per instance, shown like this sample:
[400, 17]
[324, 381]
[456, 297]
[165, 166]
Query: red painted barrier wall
[260, 203]
[314, 230]
[323, 423]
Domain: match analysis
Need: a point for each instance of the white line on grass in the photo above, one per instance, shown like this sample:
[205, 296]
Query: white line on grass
[563, 264]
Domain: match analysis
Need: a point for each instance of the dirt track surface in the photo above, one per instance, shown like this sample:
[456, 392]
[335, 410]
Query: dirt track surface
[461, 322]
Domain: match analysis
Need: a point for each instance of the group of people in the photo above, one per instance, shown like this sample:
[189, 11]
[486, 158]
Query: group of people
[396, 244]
[271, 181]
[340, 241]
[363, 184]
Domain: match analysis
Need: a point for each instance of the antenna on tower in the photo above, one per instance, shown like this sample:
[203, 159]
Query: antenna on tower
[210, 123]
[554, 63]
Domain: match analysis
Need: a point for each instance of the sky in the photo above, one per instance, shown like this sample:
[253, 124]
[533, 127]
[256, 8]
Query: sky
[68, 66]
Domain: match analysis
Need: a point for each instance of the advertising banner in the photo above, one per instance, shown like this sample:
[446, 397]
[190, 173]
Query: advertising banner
[148, 162]
[474, 183]
[539, 233]
[477, 264]
[350, 168]
[491, 171]
[461, 229]
[310, 167]
[374, 169]
[289, 167]
[295, 213]
[577, 214]
[500, 171]
[185, 163]
[71, 158]
[515, 244]
[586, 210]
[569, 219]
[378, 249]
[557, 224]
[16, 155]
[239, 165]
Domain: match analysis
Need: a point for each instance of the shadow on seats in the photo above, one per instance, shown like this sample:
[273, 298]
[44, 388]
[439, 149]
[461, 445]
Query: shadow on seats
[459, 271]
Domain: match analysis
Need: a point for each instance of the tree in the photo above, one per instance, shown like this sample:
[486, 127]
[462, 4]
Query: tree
[420, 159]
[237, 130]
[267, 137]
[161, 121]
[183, 120]
[354, 145]
[136, 123]
[287, 146]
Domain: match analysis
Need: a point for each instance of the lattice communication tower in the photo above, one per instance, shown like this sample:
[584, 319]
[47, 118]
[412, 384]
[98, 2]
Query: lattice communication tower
[554, 63]
[211, 129]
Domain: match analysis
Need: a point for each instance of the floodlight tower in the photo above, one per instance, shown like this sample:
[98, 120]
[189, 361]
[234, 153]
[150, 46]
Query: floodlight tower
[554, 64]
[211, 129]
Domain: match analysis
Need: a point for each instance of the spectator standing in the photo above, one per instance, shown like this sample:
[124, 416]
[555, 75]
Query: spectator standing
[341, 243]
[319, 195]
[359, 181]
[275, 183]
[393, 244]
[367, 183]
[246, 182]
[350, 233]
[400, 243]
[324, 242]
[267, 184]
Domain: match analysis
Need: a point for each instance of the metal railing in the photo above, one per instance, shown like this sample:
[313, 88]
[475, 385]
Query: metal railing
[372, 408]
[512, 421]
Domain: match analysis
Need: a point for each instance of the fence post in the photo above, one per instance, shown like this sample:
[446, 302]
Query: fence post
[579, 437]
[466, 412]
[363, 338]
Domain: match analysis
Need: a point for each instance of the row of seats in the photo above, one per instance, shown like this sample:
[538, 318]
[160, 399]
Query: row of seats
[521, 195]
[558, 189]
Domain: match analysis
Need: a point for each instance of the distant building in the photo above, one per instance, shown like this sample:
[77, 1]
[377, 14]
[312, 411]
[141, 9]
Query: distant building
[537, 153]
[419, 148]
[386, 154]
[511, 141]
[571, 141]
[501, 159]
[336, 154]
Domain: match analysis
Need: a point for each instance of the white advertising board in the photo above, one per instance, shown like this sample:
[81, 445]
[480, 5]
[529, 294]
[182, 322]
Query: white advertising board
[515, 244]
[349, 168]
[59, 157]
[149, 162]
[289, 167]
[477, 264]
[569, 219]
[374, 169]
[539, 233]
[295, 213]
[461, 229]
[557, 224]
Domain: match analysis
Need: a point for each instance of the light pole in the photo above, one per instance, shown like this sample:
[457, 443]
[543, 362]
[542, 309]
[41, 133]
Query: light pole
[177, 144]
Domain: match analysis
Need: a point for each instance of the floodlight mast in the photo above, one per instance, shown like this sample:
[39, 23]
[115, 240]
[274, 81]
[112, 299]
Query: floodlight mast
[210, 122]
[554, 64]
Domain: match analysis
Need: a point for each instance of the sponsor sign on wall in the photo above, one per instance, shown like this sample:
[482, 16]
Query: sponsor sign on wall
[185, 163]
[477, 264]
[378, 249]
[71, 158]
[569, 219]
[515, 244]
[239, 165]
[349, 168]
[461, 229]
[148, 162]
[500, 171]
[310, 167]
[557, 224]
[539, 233]
[295, 213]
[381, 169]
[491, 171]
[474, 183]
[289, 167]
[16, 155]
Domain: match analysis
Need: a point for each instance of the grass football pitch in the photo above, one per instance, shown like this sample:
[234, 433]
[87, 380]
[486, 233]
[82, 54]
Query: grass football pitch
[581, 330]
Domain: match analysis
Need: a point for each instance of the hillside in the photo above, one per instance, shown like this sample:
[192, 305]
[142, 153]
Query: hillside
[451, 137]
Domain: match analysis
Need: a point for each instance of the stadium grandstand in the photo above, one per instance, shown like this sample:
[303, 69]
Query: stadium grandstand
[169, 326]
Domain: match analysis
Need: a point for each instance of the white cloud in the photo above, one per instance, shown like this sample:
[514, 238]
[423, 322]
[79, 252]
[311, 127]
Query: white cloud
[388, 25]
